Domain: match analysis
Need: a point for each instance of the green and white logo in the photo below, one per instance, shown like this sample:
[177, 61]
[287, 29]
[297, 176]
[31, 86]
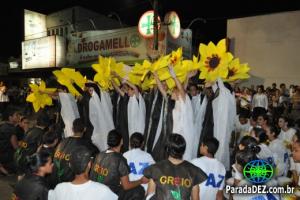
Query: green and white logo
[258, 171]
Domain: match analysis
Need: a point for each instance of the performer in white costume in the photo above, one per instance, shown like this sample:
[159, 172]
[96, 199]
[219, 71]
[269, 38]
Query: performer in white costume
[224, 112]
[100, 117]
[183, 122]
[69, 112]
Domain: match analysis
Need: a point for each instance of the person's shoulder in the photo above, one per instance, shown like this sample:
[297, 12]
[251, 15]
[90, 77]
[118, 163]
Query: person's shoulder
[101, 189]
[198, 161]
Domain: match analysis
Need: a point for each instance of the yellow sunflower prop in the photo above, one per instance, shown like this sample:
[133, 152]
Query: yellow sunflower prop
[103, 69]
[39, 96]
[76, 76]
[214, 61]
[65, 79]
[237, 71]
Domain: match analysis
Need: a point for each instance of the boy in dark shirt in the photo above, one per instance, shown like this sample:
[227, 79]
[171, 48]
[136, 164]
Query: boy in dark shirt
[111, 169]
[62, 171]
[174, 178]
[8, 140]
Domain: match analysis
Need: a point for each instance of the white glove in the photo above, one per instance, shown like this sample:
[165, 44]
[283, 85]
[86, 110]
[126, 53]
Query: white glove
[172, 72]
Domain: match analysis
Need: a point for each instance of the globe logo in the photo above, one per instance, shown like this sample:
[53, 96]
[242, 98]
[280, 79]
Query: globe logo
[258, 171]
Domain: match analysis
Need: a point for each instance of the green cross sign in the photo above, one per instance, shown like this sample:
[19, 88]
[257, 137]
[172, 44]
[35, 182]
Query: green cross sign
[146, 24]
[174, 26]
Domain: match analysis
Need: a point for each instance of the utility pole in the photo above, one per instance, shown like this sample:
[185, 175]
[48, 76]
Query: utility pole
[155, 42]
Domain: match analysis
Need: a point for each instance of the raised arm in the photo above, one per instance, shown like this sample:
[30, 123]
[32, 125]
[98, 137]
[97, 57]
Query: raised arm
[159, 85]
[136, 90]
[117, 88]
[177, 82]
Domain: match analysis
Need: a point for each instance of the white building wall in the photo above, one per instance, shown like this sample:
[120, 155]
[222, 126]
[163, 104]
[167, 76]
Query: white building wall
[271, 46]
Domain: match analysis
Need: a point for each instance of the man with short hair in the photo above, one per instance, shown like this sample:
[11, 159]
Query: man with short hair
[8, 139]
[81, 187]
[212, 188]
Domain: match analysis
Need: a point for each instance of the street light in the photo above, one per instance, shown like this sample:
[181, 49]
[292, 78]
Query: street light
[196, 19]
[117, 16]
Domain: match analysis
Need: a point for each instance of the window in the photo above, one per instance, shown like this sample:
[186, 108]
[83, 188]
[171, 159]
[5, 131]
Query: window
[57, 31]
[48, 33]
[66, 31]
[53, 33]
[61, 31]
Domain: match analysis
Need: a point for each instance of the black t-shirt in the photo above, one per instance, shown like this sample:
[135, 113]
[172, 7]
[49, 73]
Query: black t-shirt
[7, 130]
[61, 169]
[31, 187]
[20, 133]
[174, 181]
[27, 147]
[108, 169]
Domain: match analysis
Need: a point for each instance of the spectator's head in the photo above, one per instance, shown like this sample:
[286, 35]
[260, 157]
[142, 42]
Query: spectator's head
[282, 86]
[296, 136]
[114, 140]
[62, 88]
[81, 160]
[24, 123]
[296, 151]
[243, 157]
[249, 143]
[43, 120]
[12, 115]
[40, 163]
[262, 120]
[259, 134]
[175, 146]
[50, 139]
[209, 147]
[78, 127]
[274, 85]
[272, 132]
[283, 122]
[136, 140]
[260, 89]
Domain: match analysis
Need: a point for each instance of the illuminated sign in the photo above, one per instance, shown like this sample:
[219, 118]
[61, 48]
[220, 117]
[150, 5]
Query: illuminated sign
[173, 22]
[34, 24]
[146, 24]
[44, 52]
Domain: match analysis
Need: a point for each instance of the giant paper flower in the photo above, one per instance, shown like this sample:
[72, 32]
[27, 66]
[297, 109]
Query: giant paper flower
[65, 79]
[141, 70]
[176, 57]
[40, 96]
[103, 69]
[76, 76]
[237, 71]
[214, 60]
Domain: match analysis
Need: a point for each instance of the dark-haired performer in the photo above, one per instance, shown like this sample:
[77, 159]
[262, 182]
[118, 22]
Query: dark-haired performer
[33, 186]
[111, 169]
[137, 159]
[215, 170]
[81, 187]
[174, 178]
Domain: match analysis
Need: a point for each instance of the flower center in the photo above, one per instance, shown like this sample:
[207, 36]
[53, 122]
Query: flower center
[174, 60]
[231, 72]
[213, 61]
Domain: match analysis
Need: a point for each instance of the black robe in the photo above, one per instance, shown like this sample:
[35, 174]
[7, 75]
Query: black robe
[166, 105]
[120, 117]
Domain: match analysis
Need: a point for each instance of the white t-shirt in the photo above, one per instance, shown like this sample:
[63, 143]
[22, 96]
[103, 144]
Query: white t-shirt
[281, 156]
[266, 153]
[88, 191]
[287, 136]
[215, 171]
[138, 160]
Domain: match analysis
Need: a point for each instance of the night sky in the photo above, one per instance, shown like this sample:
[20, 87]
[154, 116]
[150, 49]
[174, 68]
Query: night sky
[214, 11]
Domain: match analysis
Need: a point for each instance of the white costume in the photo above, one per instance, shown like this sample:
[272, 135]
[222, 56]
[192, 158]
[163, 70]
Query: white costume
[183, 124]
[224, 112]
[69, 112]
[101, 119]
[136, 112]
